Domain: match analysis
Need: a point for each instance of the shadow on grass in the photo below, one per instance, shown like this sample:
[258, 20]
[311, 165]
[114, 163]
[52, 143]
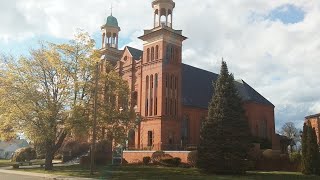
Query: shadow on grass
[157, 173]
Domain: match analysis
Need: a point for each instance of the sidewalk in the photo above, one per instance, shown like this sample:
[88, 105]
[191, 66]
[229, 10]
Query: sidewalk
[7, 170]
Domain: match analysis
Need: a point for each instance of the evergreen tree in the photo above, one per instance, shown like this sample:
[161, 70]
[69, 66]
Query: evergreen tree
[306, 159]
[225, 135]
[314, 152]
[310, 150]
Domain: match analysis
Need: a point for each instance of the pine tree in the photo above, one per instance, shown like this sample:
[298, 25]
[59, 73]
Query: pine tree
[314, 152]
[306, 159]
[310, 150]
[225, 135]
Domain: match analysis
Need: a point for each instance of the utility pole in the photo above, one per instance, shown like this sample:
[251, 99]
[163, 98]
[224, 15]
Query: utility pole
[94, 133]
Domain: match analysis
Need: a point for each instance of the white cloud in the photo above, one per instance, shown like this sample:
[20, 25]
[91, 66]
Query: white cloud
[279, 60]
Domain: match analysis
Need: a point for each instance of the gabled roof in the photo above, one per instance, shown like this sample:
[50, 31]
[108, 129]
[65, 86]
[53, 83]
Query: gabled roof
[197, 88]
[136, 53]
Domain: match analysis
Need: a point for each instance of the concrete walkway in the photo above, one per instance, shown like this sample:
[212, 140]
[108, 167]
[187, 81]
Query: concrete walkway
[8, 174]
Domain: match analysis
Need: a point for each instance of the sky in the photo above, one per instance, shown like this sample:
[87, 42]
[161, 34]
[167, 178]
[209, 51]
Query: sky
[273, 45]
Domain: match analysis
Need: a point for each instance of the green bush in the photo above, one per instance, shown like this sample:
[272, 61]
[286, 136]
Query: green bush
[171, 161]
[156, 156]
[24, 154]
[146, 160]
[192, 158]
[295, 157]
[103, 152]
[74, 149]
[268, 154]
[15, 166]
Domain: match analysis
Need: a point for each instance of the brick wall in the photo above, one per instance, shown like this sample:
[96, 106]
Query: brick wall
[137, 156]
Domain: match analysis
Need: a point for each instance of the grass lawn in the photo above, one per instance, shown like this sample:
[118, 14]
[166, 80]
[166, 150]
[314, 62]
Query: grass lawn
[4, 163]
[154, 172]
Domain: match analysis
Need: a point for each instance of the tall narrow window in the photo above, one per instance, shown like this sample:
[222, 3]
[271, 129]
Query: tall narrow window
[167, 94]
[157, 52]
[148, 55]
[151, 95]
[152, 53]
[156, 94]
[175, 83]
[172, 53]
[147, 96]
[150, 138]
[185, 130]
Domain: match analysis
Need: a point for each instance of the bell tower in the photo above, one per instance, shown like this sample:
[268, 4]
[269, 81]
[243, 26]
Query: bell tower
[110, 38]
[161, 102]
[163, 12]
[110, 33]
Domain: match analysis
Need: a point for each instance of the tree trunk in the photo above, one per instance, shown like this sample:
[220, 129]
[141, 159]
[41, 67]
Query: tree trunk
[51, 149]
[49, 158]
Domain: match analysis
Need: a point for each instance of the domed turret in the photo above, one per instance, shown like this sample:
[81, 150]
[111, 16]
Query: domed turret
[112, 21]
[110, 33]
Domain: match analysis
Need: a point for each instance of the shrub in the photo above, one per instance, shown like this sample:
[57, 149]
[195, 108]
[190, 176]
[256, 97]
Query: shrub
[58, 156]
[267, 154]
[146, 160]
[15, 166]
[24, 154]
[295, 157]
[156, 156]
[103, 152]
[171, 161]
[184, 165]
[84, 161]
[192, 158]
[74, 148]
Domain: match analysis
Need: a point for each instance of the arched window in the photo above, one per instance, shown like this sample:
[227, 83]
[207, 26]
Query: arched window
[151, 95]
[175, 83]
[169, 18]
[148, 55]
[156, 94]
[185, 129]
[157, 52]
[156, 18]
[152, 53]
[172, 53]
[147, 99]
[163, 17]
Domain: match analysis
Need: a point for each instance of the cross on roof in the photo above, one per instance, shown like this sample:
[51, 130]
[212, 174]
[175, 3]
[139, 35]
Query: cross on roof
[111, 9]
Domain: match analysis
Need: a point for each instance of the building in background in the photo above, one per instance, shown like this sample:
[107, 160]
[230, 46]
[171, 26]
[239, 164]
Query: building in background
[315, 123]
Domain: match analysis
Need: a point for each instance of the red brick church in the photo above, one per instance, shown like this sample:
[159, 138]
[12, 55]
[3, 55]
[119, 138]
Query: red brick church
[172, 97]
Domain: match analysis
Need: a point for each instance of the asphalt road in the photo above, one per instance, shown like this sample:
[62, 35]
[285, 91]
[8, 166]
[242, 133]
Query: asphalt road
[6, 176]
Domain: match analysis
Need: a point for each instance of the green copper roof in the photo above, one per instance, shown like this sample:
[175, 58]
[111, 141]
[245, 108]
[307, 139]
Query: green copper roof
[112, 21]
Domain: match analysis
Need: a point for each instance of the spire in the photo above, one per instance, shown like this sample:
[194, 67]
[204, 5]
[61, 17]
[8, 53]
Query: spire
[111, 9]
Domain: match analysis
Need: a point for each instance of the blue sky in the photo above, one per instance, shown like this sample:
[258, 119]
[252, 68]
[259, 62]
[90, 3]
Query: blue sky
[273, 45]
[287, 14]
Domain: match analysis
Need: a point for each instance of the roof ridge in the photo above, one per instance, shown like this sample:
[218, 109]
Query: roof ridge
[199, 68]
[245, 83]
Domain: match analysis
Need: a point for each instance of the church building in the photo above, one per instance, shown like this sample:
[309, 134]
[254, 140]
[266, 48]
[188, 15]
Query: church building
[172, 97]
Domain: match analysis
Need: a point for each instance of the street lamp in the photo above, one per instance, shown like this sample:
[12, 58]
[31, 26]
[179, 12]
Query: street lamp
[94, 133]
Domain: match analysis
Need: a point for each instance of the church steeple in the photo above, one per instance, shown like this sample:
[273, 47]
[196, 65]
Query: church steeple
[110, 32]
[163, 12]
